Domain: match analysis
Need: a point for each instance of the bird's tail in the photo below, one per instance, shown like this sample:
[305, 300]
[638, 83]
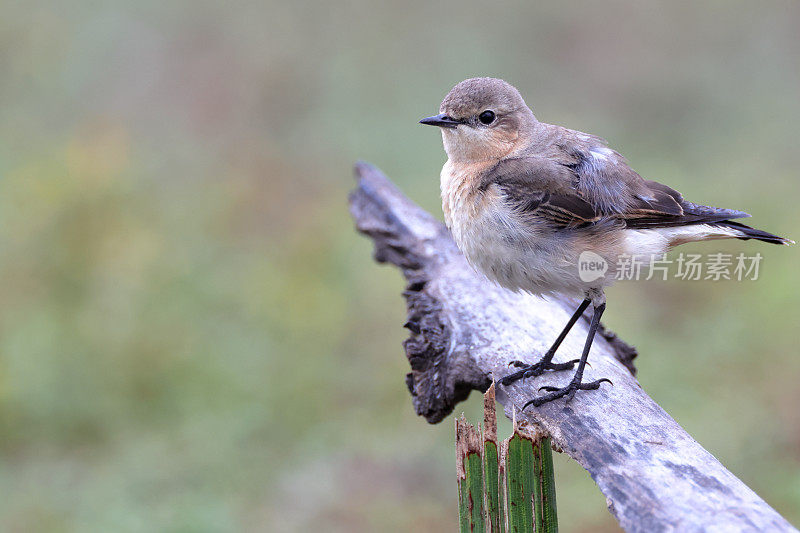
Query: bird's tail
[741, 231]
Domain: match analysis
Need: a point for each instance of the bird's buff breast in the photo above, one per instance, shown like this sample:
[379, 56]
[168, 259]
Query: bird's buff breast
[515, 255]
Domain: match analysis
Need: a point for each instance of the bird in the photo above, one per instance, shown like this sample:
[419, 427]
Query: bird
[526, 201]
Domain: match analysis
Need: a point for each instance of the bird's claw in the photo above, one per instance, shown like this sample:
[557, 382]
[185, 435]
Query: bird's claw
[568, 392]
[536, 369]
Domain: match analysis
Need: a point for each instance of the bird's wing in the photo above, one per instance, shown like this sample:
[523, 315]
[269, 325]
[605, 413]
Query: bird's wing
[540, 188]
[558, 210]
[580, 193]
[691, 214]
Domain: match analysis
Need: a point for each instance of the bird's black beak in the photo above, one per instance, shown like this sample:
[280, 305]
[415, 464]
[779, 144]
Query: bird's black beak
[441, 120]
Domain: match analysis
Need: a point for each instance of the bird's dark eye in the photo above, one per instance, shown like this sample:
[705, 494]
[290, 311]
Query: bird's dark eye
[487, 117]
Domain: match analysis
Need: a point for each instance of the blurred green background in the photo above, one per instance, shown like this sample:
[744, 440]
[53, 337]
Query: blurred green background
[192, 335]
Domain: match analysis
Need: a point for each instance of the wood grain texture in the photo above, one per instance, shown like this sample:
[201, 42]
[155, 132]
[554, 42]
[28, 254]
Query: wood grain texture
[464, 332]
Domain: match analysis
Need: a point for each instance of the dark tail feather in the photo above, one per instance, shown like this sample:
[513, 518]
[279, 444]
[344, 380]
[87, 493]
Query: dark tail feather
[752, 233]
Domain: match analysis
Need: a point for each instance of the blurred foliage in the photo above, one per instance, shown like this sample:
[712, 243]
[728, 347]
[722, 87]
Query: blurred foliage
[188, 315]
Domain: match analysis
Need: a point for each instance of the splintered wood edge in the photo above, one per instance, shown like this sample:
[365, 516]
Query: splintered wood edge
[468, 441]
[489, 415]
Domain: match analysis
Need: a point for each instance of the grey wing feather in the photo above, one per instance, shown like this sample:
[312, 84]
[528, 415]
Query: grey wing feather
[553, 193]
[542, 189]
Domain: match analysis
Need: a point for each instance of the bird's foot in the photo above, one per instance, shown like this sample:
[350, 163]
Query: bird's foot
[553, 393]
[536, 369]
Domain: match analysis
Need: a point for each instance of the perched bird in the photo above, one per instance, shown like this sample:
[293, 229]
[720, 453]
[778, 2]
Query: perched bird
[524, 200]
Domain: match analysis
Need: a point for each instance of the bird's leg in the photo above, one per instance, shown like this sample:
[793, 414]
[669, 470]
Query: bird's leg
[545, 363]
[575, 384]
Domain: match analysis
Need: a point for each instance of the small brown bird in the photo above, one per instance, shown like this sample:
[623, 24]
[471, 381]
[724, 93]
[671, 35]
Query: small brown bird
[524, 200]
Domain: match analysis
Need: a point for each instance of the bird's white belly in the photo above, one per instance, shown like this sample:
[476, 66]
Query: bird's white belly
[518, 257]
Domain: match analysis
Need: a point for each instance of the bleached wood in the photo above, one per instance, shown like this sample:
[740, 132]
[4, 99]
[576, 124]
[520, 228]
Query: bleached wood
[466, 330]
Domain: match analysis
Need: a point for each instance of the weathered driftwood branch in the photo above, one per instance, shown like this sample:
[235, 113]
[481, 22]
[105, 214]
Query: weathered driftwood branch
[466, 330]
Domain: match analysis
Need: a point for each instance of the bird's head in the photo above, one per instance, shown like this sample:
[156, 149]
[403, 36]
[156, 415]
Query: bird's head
[481, 119]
